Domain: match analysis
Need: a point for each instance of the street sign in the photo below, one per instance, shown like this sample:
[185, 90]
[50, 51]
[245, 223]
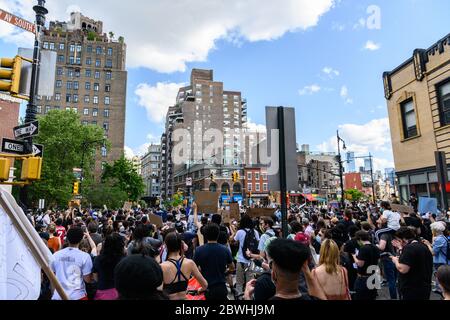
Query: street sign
[18, 147]
[27, 130]
[18, 22]
[188, 182]
[13, 146]
[38, 150]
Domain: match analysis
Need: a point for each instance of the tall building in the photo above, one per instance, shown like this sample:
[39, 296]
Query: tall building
[351, 164]
[368, 165]
[91, 79]
[418, 100]
[201, 106]
[150, 171]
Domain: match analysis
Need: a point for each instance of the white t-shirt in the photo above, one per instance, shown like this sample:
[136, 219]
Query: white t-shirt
[393, 219]
[70, 266]
[240, 236]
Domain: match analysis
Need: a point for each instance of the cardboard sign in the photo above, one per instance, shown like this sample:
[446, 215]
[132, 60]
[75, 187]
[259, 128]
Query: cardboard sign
[235, 211]
[127, 206]
[427, 205]
[207, 202]
[401, 209]
[261, 212]
[226, 216]
[156, 220]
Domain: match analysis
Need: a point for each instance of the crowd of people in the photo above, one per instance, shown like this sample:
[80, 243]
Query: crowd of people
[328, 254]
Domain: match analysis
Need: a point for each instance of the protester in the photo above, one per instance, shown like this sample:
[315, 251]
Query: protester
[54, 242]
[177, 269]
[331, 277]
[415, 266]
[443, 278]
[72, 267]
[113, 251]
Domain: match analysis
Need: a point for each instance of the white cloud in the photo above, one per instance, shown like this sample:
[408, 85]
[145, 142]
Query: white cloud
[373, 136]
[166, 35]
[129, 153]
[330, 72]
[12, 34]
[157, 99]
[314, 88]
[253, 127]
[142, 149]
[345, 95]
[372, 46]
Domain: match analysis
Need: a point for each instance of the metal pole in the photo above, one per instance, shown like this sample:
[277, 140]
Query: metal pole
[30, 114]
[341, 174]
[283, 187]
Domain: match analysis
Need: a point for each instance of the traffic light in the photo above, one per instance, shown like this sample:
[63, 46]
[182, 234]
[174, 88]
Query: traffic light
[211, 176]
[76, 188]
[31, 169]
[236, 177]
[4, 169]
[11, 74]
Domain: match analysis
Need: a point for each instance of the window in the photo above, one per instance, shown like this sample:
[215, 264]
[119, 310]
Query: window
[106, 113]
[88, 61]
[108, 88]
[72, 48]
[265, 188]
[110, 51]
[38, 109]
[68, 98]
[75, 110]
[257, 175]
[84, 123]
[86, 99]
[88, 73]
[94, 123]
[106, 126]
[249, 187]
[104, 152]
[95, 100]
[75, 98]
[79, 48]
[61, 58]
[98, 63]
[78, 60]
[61, 46]
[96, 87]
[45, 45]
[60, 71]
[264, 176]
[47, 109]
[77, 73]
[89, 49]
[257, 187]
[68, 109]
[58, 83]
[70, 72]
[71, 60]
[249, 176]
[69, 85]
[409, 119]
[95, 113]
[75, 85]
[443, 91]
[97, 74]
[107, 100]
[87, 86]
[52, 46]
[57, 96]
[108, 75]
[109, 63]
[86, 111]
[99, 50]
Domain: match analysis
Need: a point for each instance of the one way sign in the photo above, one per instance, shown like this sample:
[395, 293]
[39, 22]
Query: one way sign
[38, 150]
[18, 147]
[27, 130]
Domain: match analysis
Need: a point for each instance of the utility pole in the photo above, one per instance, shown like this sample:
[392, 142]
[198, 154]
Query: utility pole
[341, 169]
[30, 114]
[373, 180]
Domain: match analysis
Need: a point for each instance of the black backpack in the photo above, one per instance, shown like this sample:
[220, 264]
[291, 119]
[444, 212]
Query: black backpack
[250, 243]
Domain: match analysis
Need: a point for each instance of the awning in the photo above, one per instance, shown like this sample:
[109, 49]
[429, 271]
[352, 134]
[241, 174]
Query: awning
[308, 197]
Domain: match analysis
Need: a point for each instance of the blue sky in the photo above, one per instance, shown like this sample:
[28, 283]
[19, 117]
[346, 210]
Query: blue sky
[322, 68]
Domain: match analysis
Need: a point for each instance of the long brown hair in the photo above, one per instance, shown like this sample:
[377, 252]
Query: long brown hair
[329, 256]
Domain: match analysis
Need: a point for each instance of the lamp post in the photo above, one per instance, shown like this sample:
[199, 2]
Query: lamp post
[341, 168]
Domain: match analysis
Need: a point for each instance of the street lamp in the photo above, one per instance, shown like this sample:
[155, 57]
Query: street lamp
[341, 168]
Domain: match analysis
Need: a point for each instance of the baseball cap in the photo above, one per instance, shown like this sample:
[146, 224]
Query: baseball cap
[303, 238]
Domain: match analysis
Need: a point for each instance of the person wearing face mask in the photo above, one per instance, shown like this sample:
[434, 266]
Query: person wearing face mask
[415, 266]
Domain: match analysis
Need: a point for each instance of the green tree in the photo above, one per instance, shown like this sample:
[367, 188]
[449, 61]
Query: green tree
[66, 142]
[124, 175]
[354, 194]
[99, 194]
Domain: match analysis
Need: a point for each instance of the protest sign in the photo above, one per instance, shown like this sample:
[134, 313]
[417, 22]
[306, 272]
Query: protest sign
[156, 220]
[235, 211]
[261, 212]
[427, 205]
[401, 209]
[207, 202]
[226, 216]
[127, 206]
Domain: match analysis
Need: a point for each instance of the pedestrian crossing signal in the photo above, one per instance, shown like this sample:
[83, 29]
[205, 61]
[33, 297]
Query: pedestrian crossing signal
[10, 73]
[4, 169]
[31, 169]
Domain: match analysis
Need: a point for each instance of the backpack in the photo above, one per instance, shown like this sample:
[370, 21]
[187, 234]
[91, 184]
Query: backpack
[250, 243]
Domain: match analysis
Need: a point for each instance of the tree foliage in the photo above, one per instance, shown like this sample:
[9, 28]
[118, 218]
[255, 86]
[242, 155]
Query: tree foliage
[99, 194]
[354, 195]
[123, 174]
[65, 141]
